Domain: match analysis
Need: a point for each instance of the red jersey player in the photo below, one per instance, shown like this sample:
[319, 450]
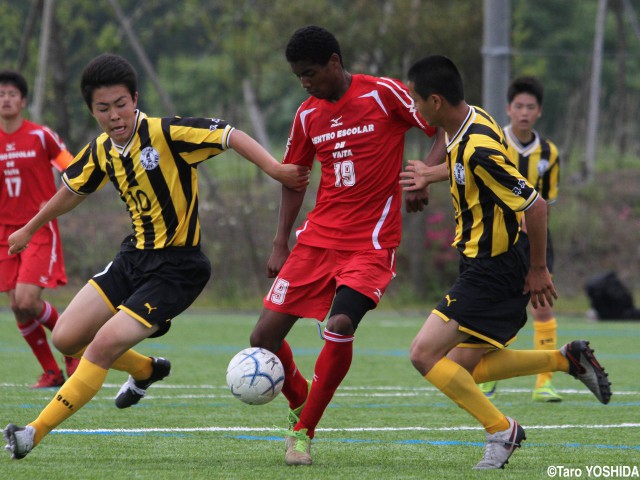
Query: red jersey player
[344, 257]
[27, 153]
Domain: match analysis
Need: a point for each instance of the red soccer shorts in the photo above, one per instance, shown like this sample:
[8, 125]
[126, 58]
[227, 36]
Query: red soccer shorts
[308, 281]
[40, 264]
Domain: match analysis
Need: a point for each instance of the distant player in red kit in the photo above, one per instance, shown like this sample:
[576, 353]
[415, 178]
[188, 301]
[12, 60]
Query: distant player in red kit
[27, 153]
[344, 257]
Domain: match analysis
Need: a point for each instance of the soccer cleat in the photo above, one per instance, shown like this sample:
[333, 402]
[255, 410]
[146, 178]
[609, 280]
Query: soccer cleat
[294, 418]
[299, 453]
[19, 440]
[489, 389]
[132, 391]
[500, 446]
[546, 393]
[49, 379]
[584, 367]
[71, 364]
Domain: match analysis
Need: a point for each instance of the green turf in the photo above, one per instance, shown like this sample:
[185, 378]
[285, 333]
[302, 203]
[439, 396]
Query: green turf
[384, 422]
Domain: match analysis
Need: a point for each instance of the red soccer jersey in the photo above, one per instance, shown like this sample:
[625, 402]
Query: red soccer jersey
[26, 179]
[359, 142]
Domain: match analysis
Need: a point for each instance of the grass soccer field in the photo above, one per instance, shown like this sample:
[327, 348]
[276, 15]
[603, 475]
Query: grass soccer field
[384, 422]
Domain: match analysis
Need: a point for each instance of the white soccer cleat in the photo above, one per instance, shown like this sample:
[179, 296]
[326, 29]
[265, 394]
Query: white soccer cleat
[500, 446]
[19, 440]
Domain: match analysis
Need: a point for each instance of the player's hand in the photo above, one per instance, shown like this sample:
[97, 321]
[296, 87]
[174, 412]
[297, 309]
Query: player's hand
[539, 284]
[279, 255]
[414, 176]
[416, 200]
[295, 177]
[18, 241]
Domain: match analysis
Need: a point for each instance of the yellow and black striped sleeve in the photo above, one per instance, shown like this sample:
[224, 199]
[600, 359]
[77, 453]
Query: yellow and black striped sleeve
[509, 188]
[197, 139]
[86, 173]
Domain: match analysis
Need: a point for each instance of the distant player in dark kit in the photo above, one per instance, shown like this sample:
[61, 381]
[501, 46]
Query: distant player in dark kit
[160, 269]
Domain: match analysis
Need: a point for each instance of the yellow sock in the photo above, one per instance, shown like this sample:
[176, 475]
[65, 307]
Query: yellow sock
[72, 396]
[135, 364]
[457, 384]
[545, 338]
[501, 364]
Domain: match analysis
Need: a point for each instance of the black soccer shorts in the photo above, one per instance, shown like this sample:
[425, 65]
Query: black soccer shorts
[487, 299]
[153, 286]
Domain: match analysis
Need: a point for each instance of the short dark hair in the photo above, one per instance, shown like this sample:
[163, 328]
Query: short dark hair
[313, 44]
[530, 85]
[9, 77]
[107, 70]
[437, 74]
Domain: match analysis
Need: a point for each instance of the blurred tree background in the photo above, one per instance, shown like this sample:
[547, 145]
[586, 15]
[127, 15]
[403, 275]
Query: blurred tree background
[225, 59]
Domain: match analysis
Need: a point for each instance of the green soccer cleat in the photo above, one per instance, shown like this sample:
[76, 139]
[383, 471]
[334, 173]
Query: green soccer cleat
[546, 393]
[489, 389]
[294, 417]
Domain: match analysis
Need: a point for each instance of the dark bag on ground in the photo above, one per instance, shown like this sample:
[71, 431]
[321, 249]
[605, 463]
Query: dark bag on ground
[610, 298]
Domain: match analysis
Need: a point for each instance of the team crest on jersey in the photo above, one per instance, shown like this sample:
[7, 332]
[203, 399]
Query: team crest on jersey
[458, 174]
[543, 166]
[149, 158]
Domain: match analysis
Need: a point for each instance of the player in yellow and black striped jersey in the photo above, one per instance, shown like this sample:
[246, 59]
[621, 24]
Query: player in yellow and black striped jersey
[463, 340]
[161, 197]
[538, 161]
[160, 269]
[489, 194]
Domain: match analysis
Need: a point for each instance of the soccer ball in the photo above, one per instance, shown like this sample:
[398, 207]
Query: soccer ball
[255, 376]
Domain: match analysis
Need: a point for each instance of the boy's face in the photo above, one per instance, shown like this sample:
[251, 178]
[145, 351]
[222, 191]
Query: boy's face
[524, 110]
[115, 111]
[426, 107]
[320, 81]
[11, 101]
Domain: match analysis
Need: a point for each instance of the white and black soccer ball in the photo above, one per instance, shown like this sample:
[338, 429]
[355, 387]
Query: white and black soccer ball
[255, 376]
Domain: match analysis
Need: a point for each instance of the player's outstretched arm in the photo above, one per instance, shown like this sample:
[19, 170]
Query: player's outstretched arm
[63, 201]
[417, 175]
[295, 177]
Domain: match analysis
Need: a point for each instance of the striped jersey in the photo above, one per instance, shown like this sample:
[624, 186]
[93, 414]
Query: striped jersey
[359, 143]
[26, 179]
[538, 162]
[489, 194]
[155, 174]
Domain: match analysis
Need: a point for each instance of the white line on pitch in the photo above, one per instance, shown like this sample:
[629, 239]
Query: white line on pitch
[344, 391]
[359, 429]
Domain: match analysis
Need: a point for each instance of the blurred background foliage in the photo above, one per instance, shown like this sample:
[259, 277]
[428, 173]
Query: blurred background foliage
[225, 59]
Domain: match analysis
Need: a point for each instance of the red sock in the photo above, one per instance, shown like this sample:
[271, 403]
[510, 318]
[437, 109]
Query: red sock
[48, 317]
[331, 367]
[295, 386]
[36, 337]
